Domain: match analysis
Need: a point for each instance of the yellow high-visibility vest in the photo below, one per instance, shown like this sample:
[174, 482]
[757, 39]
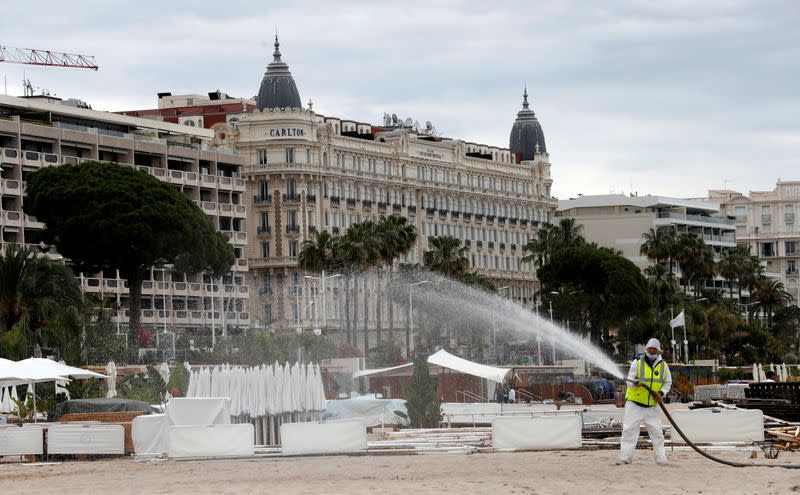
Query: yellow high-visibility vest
[653, 378]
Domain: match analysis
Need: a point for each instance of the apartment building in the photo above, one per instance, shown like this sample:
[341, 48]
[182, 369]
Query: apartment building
[618, 221]
[39, 132]
[765, 220]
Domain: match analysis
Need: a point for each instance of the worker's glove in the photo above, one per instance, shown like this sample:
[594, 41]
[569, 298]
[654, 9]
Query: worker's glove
[637, 383]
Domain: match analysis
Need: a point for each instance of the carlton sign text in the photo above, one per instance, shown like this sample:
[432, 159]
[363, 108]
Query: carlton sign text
[286, 132]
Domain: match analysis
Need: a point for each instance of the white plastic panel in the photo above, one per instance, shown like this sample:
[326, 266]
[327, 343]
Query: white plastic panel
[720, 425]
[211, 441]
[21, 441]
[323, 438]
[86, 439]
[541, 433]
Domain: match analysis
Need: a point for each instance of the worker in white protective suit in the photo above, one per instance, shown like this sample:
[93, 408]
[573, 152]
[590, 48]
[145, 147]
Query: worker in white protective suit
[641, 405]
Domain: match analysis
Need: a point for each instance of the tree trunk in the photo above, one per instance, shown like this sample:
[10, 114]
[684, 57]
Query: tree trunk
[378, 310]
[135, 308]
[347, 310]
[366, 318]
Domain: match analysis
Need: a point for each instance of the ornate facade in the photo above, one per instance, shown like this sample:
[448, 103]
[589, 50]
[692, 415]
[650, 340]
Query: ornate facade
[305, 172]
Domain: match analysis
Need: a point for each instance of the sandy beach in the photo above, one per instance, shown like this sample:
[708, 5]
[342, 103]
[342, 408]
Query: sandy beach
[564, 472]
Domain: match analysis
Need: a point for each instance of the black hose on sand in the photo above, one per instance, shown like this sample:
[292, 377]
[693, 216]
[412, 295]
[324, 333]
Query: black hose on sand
[703, 452]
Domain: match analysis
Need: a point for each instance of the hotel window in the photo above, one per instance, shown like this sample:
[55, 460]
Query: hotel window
[292, 249]
[788, 214]
[791, 267]
[767, 249]
[766, 215]
[291, 219]
[262, 156]
[308, 156]
[263, 190]
[263, 220]
[791, 248]
[289, 155]
[291, 188]
[264, 250]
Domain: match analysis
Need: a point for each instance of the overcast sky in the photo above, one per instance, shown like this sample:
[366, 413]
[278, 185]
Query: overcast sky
[669, 98]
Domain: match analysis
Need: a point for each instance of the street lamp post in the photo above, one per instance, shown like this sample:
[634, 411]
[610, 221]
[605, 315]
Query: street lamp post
[552, 338]
[410, 334]
[213, 318]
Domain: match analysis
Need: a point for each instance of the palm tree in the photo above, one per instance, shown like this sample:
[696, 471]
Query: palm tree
[569, 234]
[552, 238]
[771, 295]
[694, 257]
[541, 246]
[447, 257]
[662, 284]
[398, 237]
[730, 266]
[33, 292]
[657, 243]
[319, 252]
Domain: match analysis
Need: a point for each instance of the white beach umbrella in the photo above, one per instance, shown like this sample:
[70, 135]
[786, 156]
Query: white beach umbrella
[272, 390]
[308, 387]
[296, 402]
[756, 376]
[163, 370]
[111, 371]
[761, 375]
[321, 403]
[772, 367]
[192, 384]
[283, 389]
[5, 399]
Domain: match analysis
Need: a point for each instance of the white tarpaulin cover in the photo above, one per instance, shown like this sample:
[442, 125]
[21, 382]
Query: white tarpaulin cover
[720, 425]
[367, 409]
[543, 433]
[446, 360]
[211, 441]
[331, 437]
[86, 439]
[21, 441]
[198, 411]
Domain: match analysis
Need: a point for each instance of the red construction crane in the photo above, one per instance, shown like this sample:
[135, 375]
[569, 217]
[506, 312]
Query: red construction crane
[46, 58]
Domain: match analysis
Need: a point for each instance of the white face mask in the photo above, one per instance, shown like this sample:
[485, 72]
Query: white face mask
[652, 356]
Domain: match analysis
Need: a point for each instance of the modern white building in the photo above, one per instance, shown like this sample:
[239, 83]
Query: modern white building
[767, 222]
[618, 221]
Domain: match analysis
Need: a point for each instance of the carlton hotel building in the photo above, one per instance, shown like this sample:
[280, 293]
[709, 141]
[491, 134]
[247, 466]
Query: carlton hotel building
[307, 172]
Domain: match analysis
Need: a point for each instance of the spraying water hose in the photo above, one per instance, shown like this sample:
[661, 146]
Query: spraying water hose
[695, 447]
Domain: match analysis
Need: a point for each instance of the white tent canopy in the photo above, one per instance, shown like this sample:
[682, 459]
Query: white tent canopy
[444, 359]
[379, 371]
